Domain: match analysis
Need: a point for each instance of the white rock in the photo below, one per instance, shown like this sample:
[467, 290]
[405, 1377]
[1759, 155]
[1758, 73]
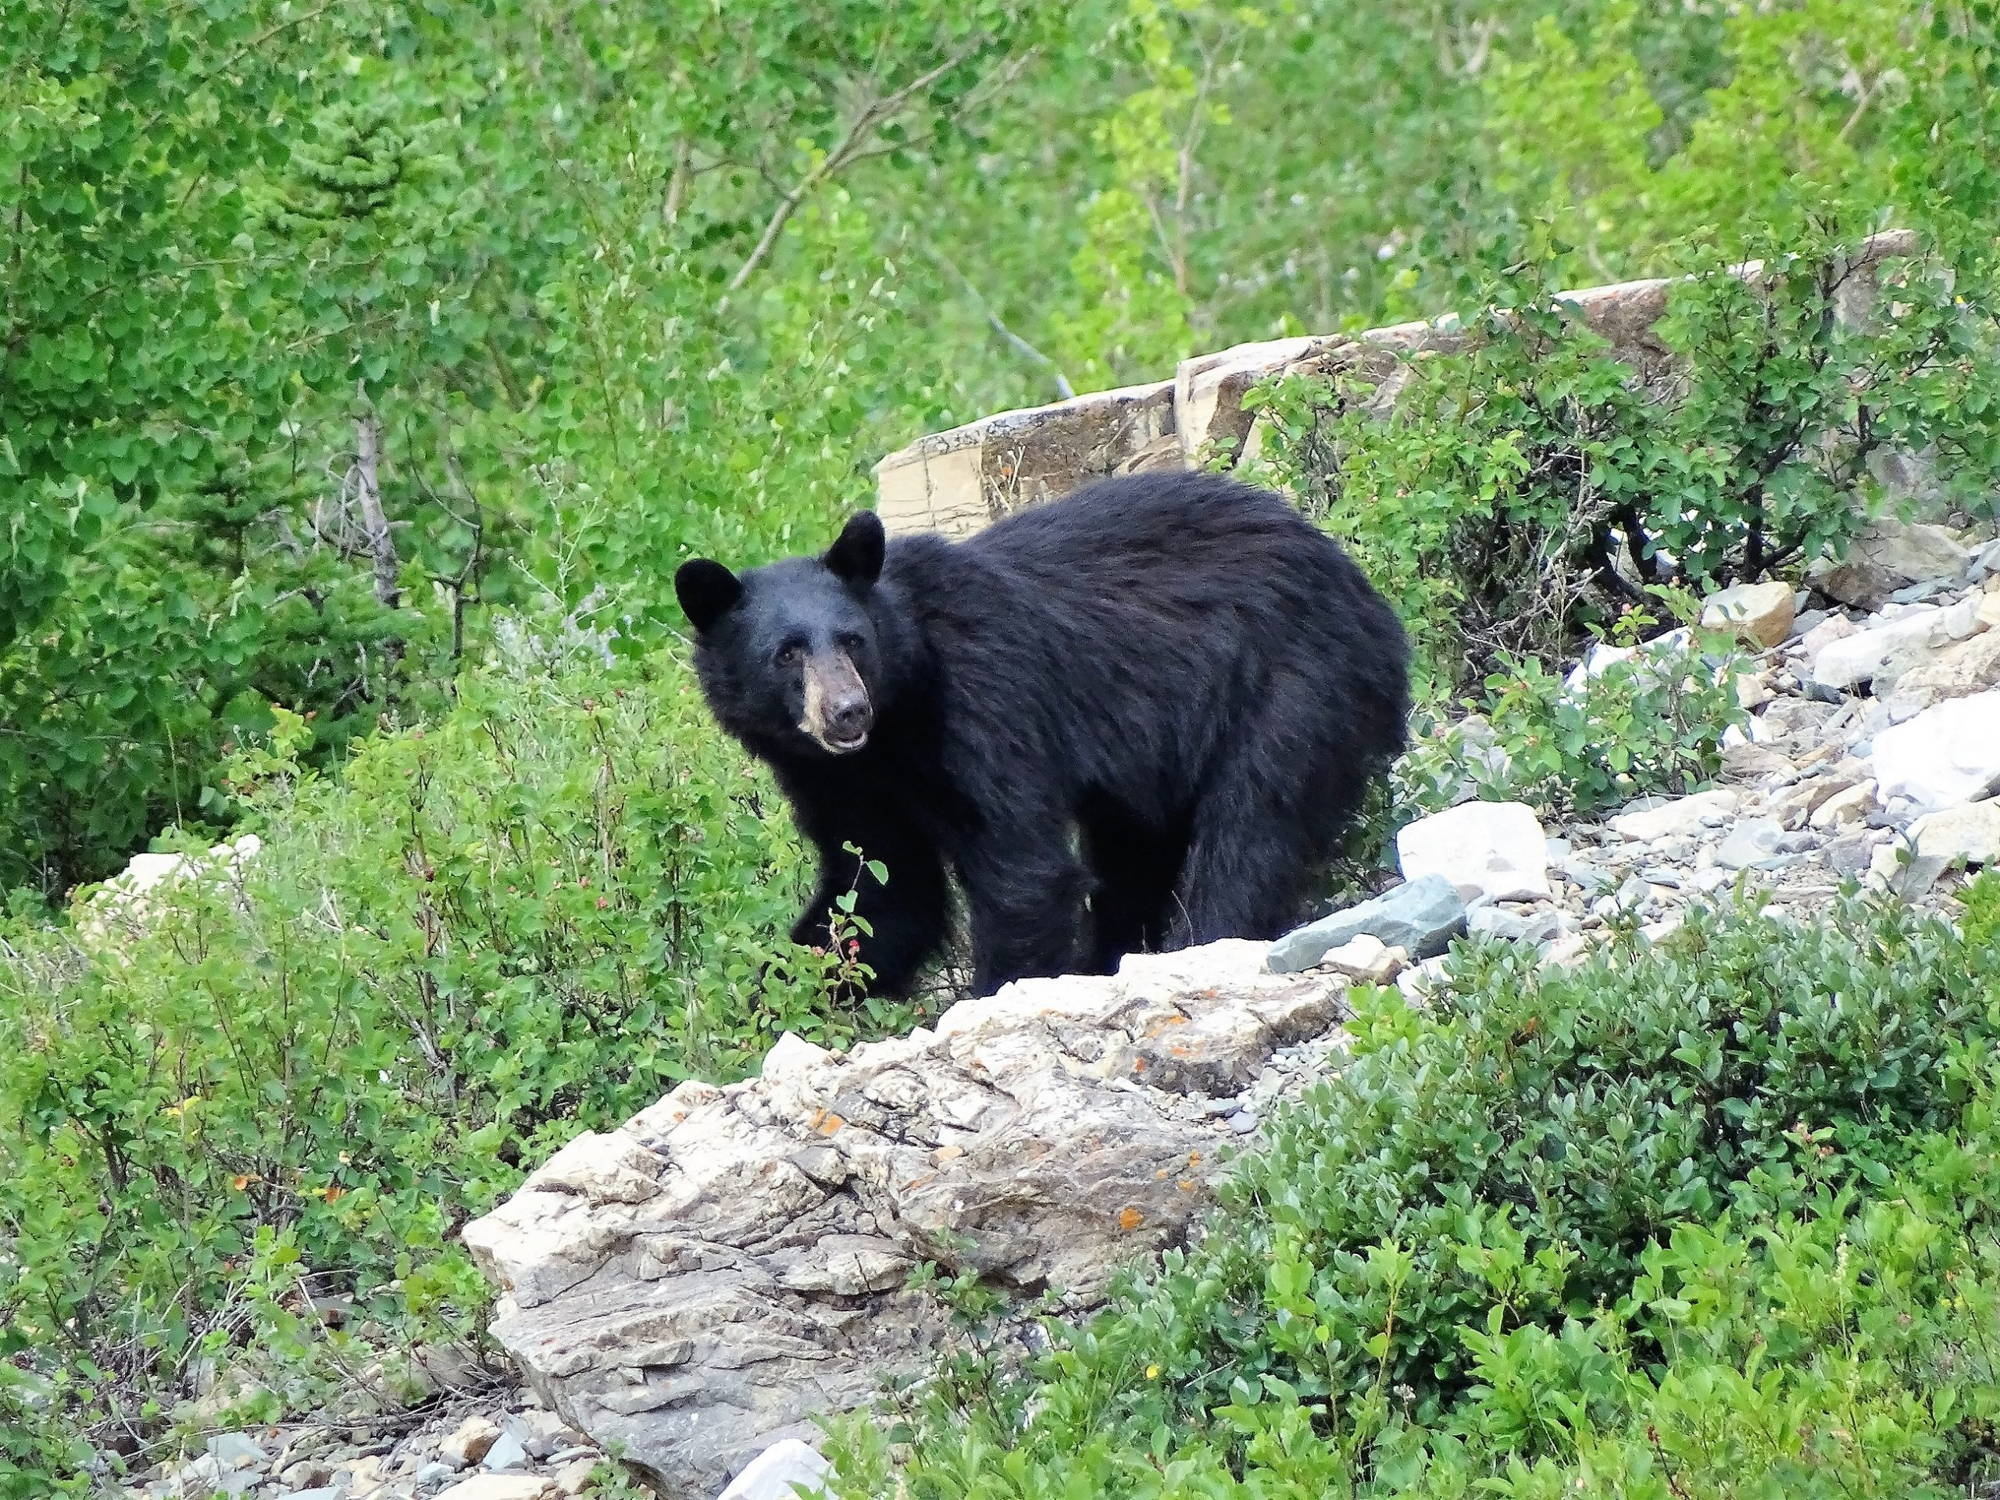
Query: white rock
[1367, 959]
[1960, 621]
[1885, 864]
[1961, 668]
[500, 1487]
[1889, 555]
[202, 1477]
[1970, 833]
[1793, 806]
[1751, 843]
[507, 1452]
[1758, 614]
[1848, 809]
[1753, 690]
[468, 1442]
[1495, 849]
[1566, 952]
[772, 1473]
[541, 1431]
[1666, 927]
[1751, 763]
[792, 1053]
[1752, 731]
[1825, 633]
[239, 1451]
[1537, 927]
[1878, 651]
[364, 1477]
[1421, 981]
[1668, 651]
[1682, 816]
[1944, 756]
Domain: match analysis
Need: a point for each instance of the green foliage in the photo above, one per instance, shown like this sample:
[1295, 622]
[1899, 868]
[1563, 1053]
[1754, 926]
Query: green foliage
[1529, 485]
[1711, 1217]
[600, 285]
[532, 916]
[329, 325]
[1803, 117]
[1649, 719]
[328, 329]
[1643, 716]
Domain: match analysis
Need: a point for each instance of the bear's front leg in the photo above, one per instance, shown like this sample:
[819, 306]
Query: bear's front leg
[906, 918]
[1025, 897]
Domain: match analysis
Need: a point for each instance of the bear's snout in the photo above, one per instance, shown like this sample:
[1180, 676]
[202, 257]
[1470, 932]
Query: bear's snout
[837, 713]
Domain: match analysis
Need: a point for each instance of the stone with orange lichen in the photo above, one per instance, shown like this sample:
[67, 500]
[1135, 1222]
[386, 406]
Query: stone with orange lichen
[733, 1262]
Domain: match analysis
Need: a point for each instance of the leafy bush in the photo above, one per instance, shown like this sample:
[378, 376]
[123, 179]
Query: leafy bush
[1649, 718]
[1712, 1217]
[1529, 485]
[533, 916]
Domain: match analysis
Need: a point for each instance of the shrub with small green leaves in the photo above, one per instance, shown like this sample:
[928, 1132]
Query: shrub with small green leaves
[1529, 486]
[530, 917]
[1712, 1216]
[1649, 717]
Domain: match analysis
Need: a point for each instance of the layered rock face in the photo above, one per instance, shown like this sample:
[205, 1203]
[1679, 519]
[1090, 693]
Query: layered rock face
[955, 482]
[694, 1286]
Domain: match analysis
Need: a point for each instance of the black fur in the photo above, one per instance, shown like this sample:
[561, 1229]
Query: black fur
[1135, 718]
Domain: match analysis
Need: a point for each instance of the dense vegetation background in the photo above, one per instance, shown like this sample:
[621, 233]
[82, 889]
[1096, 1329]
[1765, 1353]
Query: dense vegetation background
[332, 332]
[367, 369]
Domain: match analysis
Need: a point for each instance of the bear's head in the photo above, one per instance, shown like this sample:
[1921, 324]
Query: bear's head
[790, 654]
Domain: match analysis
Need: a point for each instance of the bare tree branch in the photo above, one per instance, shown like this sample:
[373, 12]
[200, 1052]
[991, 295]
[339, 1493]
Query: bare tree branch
[677, 184]
[874, 114]
[1063, 388]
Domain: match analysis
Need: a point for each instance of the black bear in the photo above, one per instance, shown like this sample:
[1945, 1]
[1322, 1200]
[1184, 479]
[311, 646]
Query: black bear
[1133, 718]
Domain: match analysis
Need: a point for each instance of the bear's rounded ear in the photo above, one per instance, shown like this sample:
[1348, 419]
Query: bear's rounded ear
[707, 591]
[856, 554]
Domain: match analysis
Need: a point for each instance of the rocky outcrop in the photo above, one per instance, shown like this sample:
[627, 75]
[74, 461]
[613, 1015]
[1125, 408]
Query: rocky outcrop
[695, 1286]
[1872, 753]
[957, 481]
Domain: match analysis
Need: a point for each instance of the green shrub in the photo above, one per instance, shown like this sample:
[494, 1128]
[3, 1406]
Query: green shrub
[529, 918]
[1649, 718]
[1529, 486]
[1650, 721]
[1711, 1217]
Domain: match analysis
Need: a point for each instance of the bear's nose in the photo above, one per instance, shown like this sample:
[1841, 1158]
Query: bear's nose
[851, 717]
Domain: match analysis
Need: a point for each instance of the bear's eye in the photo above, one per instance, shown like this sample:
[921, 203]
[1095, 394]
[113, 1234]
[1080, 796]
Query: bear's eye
[789, 654]
[850, 643]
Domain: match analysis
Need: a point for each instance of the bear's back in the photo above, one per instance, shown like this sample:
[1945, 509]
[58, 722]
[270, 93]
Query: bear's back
[1146, 513]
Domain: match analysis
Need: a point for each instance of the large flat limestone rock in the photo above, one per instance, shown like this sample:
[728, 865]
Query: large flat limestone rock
[694, 1286]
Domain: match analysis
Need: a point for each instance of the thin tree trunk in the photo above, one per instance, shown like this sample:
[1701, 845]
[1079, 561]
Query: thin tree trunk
[368, 490]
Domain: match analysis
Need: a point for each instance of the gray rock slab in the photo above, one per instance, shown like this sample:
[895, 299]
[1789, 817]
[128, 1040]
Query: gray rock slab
[1421, 915]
